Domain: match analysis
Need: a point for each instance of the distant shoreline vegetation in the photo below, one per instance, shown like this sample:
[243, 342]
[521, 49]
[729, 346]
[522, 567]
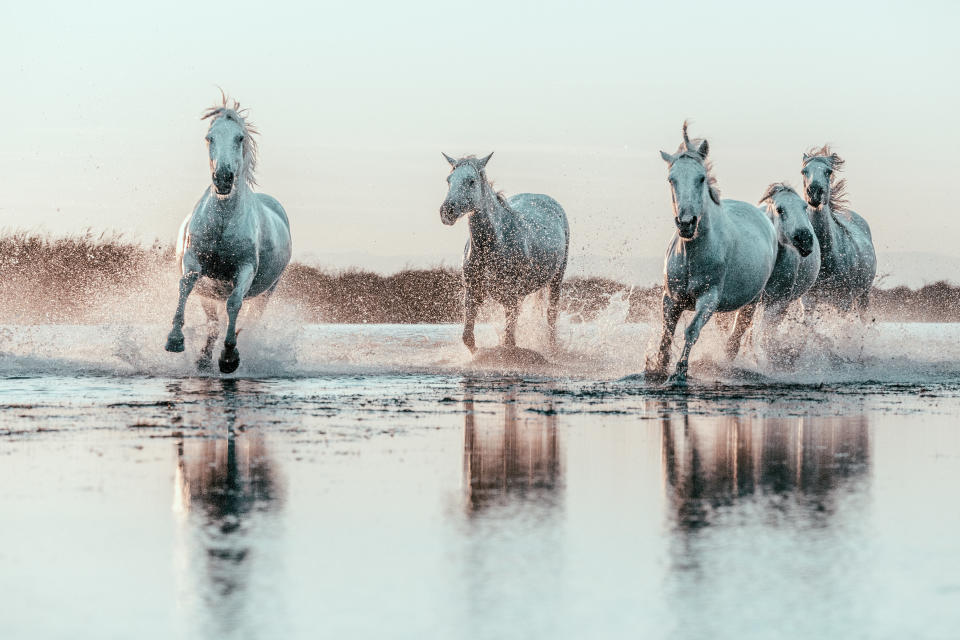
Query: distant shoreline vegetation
[90, 278]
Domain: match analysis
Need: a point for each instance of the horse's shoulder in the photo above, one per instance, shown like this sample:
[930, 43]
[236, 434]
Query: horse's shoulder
[854, 220]
[273, 205]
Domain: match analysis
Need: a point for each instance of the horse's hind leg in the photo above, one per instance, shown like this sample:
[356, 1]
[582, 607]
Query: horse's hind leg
[863, 306]
[205, 362]
[744, 318]
[512, 311]
[471, 305]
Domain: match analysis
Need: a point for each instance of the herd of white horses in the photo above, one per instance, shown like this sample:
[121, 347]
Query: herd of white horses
[725, 256]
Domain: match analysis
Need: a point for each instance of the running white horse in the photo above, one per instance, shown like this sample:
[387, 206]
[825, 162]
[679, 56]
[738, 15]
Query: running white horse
[720, 258]
[796, 268]
[848, 262]
[236, 243]
[516, 246]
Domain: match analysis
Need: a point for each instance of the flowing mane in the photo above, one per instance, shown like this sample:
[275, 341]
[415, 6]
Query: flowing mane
[774, 189]
[838, 188]
[689, 149]
[233, 112]
[474, 162]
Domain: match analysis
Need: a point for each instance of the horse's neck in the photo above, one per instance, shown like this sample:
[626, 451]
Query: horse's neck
[824, 227]
[488, 226]
[221, 212]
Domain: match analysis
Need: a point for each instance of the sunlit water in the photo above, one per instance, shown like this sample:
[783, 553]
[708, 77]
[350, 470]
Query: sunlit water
[369, 482]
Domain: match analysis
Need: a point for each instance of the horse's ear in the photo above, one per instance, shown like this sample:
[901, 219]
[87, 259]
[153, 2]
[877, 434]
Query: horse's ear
[806, 157]
[452, 161]
[666, 157]
[483, 162]
[704, 148]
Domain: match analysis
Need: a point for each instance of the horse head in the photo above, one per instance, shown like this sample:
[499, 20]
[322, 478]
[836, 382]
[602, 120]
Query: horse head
[231, 149]
[788, 211]
[691, 184]
[819, 171]
[466, 185]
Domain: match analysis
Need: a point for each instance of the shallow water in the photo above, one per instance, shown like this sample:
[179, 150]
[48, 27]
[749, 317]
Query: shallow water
[368, 482]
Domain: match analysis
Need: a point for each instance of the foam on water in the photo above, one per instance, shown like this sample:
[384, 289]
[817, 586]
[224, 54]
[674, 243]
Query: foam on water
[608, 348]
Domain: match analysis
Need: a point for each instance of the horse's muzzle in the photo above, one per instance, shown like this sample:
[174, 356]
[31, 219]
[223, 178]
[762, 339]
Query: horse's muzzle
[803, 241]
[686, 229]
[814, 195]
[223, 182]
[448, 216]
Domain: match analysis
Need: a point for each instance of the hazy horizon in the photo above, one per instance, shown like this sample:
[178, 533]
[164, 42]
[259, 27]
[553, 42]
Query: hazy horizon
[355, 102]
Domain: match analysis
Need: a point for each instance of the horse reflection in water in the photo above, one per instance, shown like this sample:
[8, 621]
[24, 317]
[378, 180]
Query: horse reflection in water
[226, 488]
[518, 457]
[710, 466]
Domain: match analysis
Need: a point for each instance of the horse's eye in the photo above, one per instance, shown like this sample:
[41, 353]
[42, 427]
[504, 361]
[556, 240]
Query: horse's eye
[700, 181]
[780, 210]
[829, 172]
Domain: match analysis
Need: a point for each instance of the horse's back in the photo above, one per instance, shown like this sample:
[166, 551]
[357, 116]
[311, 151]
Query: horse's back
[543, 220]
[751, 253]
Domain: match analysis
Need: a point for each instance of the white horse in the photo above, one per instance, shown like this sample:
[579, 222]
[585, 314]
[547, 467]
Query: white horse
[720, 258]
[848, 262]
[797, 265]
[236, 243]
[516, 246]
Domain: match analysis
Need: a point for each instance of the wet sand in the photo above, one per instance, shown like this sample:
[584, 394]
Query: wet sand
[476, 504]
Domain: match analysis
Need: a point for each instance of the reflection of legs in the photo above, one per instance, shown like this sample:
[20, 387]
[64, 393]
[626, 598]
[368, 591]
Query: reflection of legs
[744, 318]
[657, 368]
[512, 310]
[205, 363]
[706, 305]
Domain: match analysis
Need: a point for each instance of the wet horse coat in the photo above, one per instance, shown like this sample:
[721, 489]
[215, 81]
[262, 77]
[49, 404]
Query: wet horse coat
[719, 259]
[236, 243]
[517, 246]
[848, 263]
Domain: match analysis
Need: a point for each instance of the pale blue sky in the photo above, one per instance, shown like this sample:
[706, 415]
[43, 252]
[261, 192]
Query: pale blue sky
[355, 101]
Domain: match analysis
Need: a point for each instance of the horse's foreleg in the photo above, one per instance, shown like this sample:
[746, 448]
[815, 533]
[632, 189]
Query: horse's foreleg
[205, 363]
[657, 369]
[230, 356]
[744, 318]
[706, 305]
[772, 318]
[175, 337]
[471, 305]
[553, 308]
[512, 311]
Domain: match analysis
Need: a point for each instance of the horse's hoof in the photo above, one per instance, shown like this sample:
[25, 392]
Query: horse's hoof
[229, 361]
[678, 379]
[174, 343]
[205, 363]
